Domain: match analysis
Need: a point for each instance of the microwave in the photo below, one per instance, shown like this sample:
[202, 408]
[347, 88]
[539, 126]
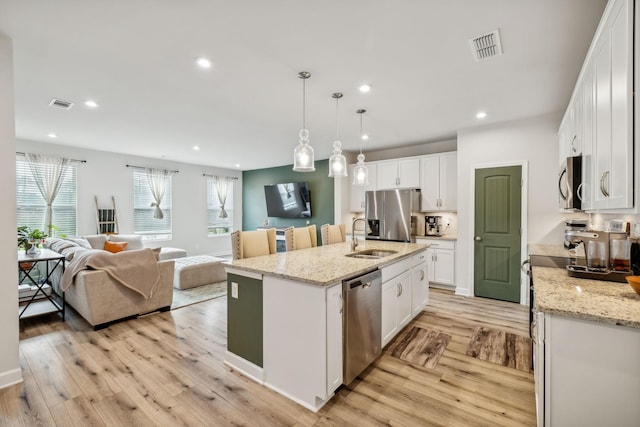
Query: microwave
[570, 183]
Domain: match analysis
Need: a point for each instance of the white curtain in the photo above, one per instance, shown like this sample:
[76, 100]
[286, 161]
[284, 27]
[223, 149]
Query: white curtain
[222, 187]
[48, 173]
[157, 179]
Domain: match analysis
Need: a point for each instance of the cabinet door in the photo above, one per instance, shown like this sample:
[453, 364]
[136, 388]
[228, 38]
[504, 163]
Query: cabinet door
[585, 191]
[444, 266]
[389, 301]
[619, 181]
[449, 182]
[420, 288]
[429, 183]
[602, 76]
[334, 338]
[409, 173]
[387, 175]
[404, 299]
[431, 264]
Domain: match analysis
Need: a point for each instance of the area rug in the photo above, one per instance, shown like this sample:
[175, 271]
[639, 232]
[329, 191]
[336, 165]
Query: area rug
[422, 347]
[500, 347]
[182, 298]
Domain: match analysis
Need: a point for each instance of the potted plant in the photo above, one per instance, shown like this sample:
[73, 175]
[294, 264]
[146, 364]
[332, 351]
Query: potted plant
[30, 238]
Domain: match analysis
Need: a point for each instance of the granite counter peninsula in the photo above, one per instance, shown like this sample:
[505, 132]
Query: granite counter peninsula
[586, 347]
[284, 321]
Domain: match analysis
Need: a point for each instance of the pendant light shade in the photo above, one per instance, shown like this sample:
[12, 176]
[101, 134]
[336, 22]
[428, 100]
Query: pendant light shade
[337, 162]
[303, 154]
[361, 171]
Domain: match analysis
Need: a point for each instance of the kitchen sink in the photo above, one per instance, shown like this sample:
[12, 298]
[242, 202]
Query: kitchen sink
[371, 253]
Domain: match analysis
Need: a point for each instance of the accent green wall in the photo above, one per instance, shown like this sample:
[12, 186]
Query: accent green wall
[254, 205]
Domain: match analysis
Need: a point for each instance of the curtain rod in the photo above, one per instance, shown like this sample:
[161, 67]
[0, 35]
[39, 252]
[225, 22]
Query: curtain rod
[20, 153]
[142, 167]
[216, 176]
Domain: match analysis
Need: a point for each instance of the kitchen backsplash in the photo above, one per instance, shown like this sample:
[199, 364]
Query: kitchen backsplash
[449, 220]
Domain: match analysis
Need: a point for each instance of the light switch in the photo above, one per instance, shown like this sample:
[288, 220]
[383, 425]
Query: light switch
[234, 290]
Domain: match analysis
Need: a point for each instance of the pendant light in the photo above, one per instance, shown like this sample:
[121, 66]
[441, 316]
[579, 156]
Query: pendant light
[337, 162]
[361, 171]
[303, 153]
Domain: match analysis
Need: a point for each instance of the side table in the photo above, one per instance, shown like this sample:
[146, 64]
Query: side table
[40, 307]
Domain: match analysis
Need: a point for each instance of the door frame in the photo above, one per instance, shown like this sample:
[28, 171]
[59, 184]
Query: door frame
[524, 280]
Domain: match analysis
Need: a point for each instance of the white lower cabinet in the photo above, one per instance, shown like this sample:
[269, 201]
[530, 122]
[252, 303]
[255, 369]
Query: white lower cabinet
[591, 373]
[440, 260]
[335, 307]
[419, 283]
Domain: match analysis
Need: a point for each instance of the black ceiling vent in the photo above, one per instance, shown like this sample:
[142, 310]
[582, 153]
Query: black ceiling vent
[486, 45]
[59, 103]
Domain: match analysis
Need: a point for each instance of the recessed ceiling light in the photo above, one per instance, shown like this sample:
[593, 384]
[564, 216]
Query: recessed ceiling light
[52, 135]
[481, 115]
[237, 165]
[195, 147]
[364, 136]
[91, 104]
[203, 62]
[364, 88]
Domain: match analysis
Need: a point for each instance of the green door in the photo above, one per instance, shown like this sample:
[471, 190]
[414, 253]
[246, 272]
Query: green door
[497, 233]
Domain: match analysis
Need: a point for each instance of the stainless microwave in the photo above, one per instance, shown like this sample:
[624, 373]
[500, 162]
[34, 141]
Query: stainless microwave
[569, 183]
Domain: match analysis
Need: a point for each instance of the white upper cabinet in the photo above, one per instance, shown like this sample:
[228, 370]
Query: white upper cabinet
[438, 182]
[598, 122]
[403, 173]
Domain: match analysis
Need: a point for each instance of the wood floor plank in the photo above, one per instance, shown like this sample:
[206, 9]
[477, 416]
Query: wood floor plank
[167, 369]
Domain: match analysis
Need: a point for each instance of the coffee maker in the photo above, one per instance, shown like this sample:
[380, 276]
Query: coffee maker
[433, 226]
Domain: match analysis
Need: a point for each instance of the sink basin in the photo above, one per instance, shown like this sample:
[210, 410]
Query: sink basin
[371, 254]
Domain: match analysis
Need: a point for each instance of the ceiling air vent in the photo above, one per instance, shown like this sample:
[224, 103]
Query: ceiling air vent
[59, 103]
[486, 45]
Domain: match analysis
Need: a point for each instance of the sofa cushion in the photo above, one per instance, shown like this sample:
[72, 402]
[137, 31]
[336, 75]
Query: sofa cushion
[115, 247]
[96, 241]
[134, 241]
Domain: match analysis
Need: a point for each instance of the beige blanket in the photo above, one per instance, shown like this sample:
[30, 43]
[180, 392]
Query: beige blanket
[137, 270]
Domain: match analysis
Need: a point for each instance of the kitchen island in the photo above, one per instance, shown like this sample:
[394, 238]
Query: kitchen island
[586, 348]
[285, 312]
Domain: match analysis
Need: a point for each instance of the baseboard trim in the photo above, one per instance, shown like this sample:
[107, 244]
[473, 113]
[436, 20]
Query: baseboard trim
[9, 378]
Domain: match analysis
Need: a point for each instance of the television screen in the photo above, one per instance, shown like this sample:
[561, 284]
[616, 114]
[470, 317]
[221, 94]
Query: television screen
[288, 200]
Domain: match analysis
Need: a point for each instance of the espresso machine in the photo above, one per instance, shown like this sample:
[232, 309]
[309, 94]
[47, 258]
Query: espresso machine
[433, 226]
[604, 260]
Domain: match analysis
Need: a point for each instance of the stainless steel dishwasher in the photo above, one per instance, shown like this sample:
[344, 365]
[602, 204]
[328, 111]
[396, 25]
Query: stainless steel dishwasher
[362, 323]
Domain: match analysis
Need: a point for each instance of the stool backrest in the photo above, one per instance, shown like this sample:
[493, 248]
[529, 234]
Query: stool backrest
[301, 237]
[248, 244]
[332, 234]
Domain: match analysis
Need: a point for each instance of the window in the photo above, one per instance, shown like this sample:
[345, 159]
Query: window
[31, 207]
[216, 224]
[143, 221]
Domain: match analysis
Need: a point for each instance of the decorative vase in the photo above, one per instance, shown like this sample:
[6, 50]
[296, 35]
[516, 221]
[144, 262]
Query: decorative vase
[31, 248]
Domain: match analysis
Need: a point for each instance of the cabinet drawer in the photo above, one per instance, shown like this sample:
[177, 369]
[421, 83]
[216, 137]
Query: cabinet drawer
[419, 258]
[438, 244]
[393, 270]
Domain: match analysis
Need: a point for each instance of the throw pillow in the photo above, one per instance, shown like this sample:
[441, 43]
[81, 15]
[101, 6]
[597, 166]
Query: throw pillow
[96, 240]
[115, 247]
[81, 242]
[134, 241]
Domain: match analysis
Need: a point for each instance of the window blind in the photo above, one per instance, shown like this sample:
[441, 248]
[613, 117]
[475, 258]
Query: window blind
[143, 221]
[31, 207]
[216, 225]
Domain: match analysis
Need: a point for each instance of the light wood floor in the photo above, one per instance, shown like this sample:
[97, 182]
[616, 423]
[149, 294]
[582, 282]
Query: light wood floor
[166, 369]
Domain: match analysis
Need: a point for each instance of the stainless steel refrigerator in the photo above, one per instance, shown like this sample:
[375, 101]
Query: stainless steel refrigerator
[388, 214]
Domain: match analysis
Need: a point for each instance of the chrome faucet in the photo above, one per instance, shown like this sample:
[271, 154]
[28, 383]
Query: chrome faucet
[354, 241]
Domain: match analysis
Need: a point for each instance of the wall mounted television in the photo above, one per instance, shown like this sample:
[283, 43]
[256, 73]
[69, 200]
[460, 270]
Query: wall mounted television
[288, 200]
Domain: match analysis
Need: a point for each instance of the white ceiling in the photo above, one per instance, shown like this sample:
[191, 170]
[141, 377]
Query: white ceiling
[136, 59]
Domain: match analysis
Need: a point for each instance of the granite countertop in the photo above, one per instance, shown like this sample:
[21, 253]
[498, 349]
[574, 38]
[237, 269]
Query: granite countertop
[443, 237]
[555, 251]
[595, 300]
[325, 265]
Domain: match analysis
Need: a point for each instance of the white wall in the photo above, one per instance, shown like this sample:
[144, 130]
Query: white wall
[105, 174]
[532, 140]
[9, 368]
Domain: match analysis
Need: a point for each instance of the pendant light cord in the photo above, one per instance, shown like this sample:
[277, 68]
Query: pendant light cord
[304, 103]
[361, 131]
[337, 98]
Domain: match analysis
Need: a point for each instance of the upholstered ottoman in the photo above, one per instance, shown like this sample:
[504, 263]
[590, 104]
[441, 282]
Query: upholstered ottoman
[198, 270]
